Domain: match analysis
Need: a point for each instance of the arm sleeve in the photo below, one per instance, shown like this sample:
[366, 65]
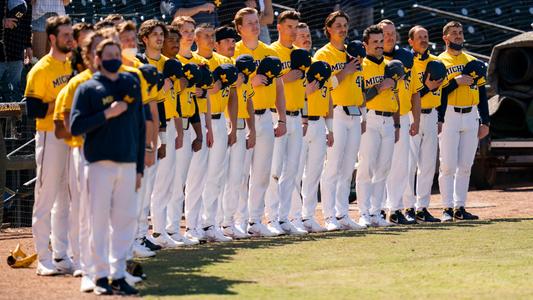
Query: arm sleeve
[371, 93]
[142, 138]
[452, 85]
[36, 108]
[178, 105]
[147, 112]
[162, 115]
[196, 117]
[82, 118]
[483, 106]
[424, 91]
[441, 110]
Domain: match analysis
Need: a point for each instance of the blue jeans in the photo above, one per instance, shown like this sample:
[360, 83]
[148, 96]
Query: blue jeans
[10, 73]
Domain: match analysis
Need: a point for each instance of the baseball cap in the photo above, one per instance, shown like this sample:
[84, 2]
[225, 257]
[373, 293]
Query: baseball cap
[246, 65]
[226, 73]
[192, 73]
[356, 48]
[319, 70]
[269, 66]
[436, 70]
[300, 59]
[394, 69]
[475, 69]
[172, 69]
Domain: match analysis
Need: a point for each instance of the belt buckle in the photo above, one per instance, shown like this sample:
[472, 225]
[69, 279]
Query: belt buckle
[241, 124]
[353, 110]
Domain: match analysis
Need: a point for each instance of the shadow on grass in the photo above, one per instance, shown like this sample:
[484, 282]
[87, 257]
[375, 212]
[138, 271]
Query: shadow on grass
[178, 272]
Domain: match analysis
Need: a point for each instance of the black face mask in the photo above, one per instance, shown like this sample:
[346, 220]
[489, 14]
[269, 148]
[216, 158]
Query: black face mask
[457, 47]
[111, 65]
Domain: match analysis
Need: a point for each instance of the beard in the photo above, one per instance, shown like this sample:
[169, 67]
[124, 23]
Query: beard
[63, 48]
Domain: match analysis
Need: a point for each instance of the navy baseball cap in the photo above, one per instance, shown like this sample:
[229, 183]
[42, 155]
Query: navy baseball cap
[206, 78]
[394, 69]
[150, 74]
[436, 70]
[356, 48]
[405, 56]
[300, 59]
[270, 66]
[226, 73]
[16, 8]
[172, 69]
[192, 73]
[225, 32]
[475, 69]
[320, 71]
[160, 81]
[246, 65]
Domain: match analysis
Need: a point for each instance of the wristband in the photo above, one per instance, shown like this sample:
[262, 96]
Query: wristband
[149, 149]
[329, 125]
[334, 81]
[163, 137]
[397, 126]
[280, 121]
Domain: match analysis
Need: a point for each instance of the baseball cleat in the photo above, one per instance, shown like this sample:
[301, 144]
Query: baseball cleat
[290, 229]
[397, 217]
[87, 285]
[132, 280]
[365, 221]
[331, 224]
[148, 244]
[141, 252]
[213, 235]
[447, 215]
[378, 221]
[348, 224]
[46, 268]
[299, 225]
[77, 270]
[64, 265]
[102, 287]
[234, 232]
[410, 215]
[311, 225]
[121, 286]
[258, 230]
[424, 216]
[180, 238]
[164, 240]
[461, 214]
[275, 228]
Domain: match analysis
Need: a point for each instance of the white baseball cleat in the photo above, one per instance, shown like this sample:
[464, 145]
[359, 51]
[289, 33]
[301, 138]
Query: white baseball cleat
[275, 228]
[349, 224]
[46, 268]
[180, 238]
[77, 270]
[290, 229]
[311, 225]
[234, 232]
[64, 265]
[214, 235]
[164, 240]
[378, 221]
[132, 280]
[258, 229]
[141, 251]
[365, 221]
[87, 284]
[331, 224]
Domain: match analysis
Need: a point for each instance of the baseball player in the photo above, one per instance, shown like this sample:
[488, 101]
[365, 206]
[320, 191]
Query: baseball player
[108, 110]
[221, 99]
[464, 118]
[287, 148]
[409, 98]
[247, 25]
[245, 137]
[344, 129]
[382, 130]
[423, 148]
[50, 210]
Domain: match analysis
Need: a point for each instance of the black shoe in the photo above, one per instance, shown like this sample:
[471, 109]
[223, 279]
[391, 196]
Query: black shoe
[153, 247]
[135, 269]
[461, 214]
[398, 218]
[383, 215]
[424, 216]
[447, 215]
[120, 286]
[410, 215]
[102, 287]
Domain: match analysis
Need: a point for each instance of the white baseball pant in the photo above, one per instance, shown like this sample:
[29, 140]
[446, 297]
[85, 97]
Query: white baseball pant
[75, 163]
[458, 143]
[285, 160]
[243, 214]
[396, 182]
[340, 164]
[181, 169]
[143, 197]
[216, 169]
[423, 158]
[296, 197]
[375, 156]
[111, 187]
[260, 165]
[50, 210]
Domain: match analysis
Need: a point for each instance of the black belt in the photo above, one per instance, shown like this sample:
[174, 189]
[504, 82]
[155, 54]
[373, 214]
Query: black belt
[216, 116]
[426, 110]
[313, 118]
[260, 111]
[383, 113]
[462, 110]
[288, 113]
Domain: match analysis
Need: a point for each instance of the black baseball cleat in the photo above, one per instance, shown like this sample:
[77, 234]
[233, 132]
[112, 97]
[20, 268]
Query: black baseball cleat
[424, 216]
[102, 287]
[121, 287]
[410, 215]
[398, 218]
[461, 214]
[153, 247]
[447, 215]
[383, 214]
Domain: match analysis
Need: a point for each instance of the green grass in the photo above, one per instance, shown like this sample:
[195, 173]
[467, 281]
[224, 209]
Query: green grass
[483, 259]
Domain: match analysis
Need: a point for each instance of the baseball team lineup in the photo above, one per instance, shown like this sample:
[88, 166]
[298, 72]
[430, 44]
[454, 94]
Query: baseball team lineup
[238, 137]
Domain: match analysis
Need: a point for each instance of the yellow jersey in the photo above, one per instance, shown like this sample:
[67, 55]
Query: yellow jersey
[431, 99]
[406, 87]
[147, 94]
[373, 74]
[295, 90]
[264, 96]
[349, 91]
[245, 92]
[463, 95]
[318, 102]
[44, 81]
[219, 100]
[195, 59]
[169, 97]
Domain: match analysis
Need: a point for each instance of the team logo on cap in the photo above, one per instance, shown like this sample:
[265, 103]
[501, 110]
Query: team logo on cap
[473, 74]
[269, 74]
[223, 78]
[217, 3]
[246, 72]
[188, 74]
[319, 77]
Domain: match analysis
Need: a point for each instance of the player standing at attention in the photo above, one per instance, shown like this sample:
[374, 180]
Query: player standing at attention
[347, 95]
[464, 118]
[287, 148]
[266, 96]
[50, 210]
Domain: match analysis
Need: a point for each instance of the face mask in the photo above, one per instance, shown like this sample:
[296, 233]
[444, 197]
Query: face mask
[457, 47]
[129, 52]
[111, 65]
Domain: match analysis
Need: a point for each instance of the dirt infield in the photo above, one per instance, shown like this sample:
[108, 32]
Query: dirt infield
[509, 202]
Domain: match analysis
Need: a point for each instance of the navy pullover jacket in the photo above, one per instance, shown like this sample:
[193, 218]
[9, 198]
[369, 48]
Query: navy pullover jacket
[120, 139]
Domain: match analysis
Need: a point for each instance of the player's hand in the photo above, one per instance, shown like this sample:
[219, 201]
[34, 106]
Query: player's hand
[483, 131]
[280, 129]
[183, 83]
[250, 139]
[149, 159]
[217, 86]
[363, 127]
[196, 144]
[432, 84]
[10, 23]
[329, 139]
[388, 83]
[259, 80]
[199, 92]
[210, 140]
[178, 142]
[208, 8]
[167, 85]
[312, 87]
[232, 137]
[138, 181]
[396, 135]
[292, 75]
[352, 66]
[28, 55]
[304, 128]
[439, 127]
[464, 80]
[413, 130]
[116, 109]
[162, 151]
